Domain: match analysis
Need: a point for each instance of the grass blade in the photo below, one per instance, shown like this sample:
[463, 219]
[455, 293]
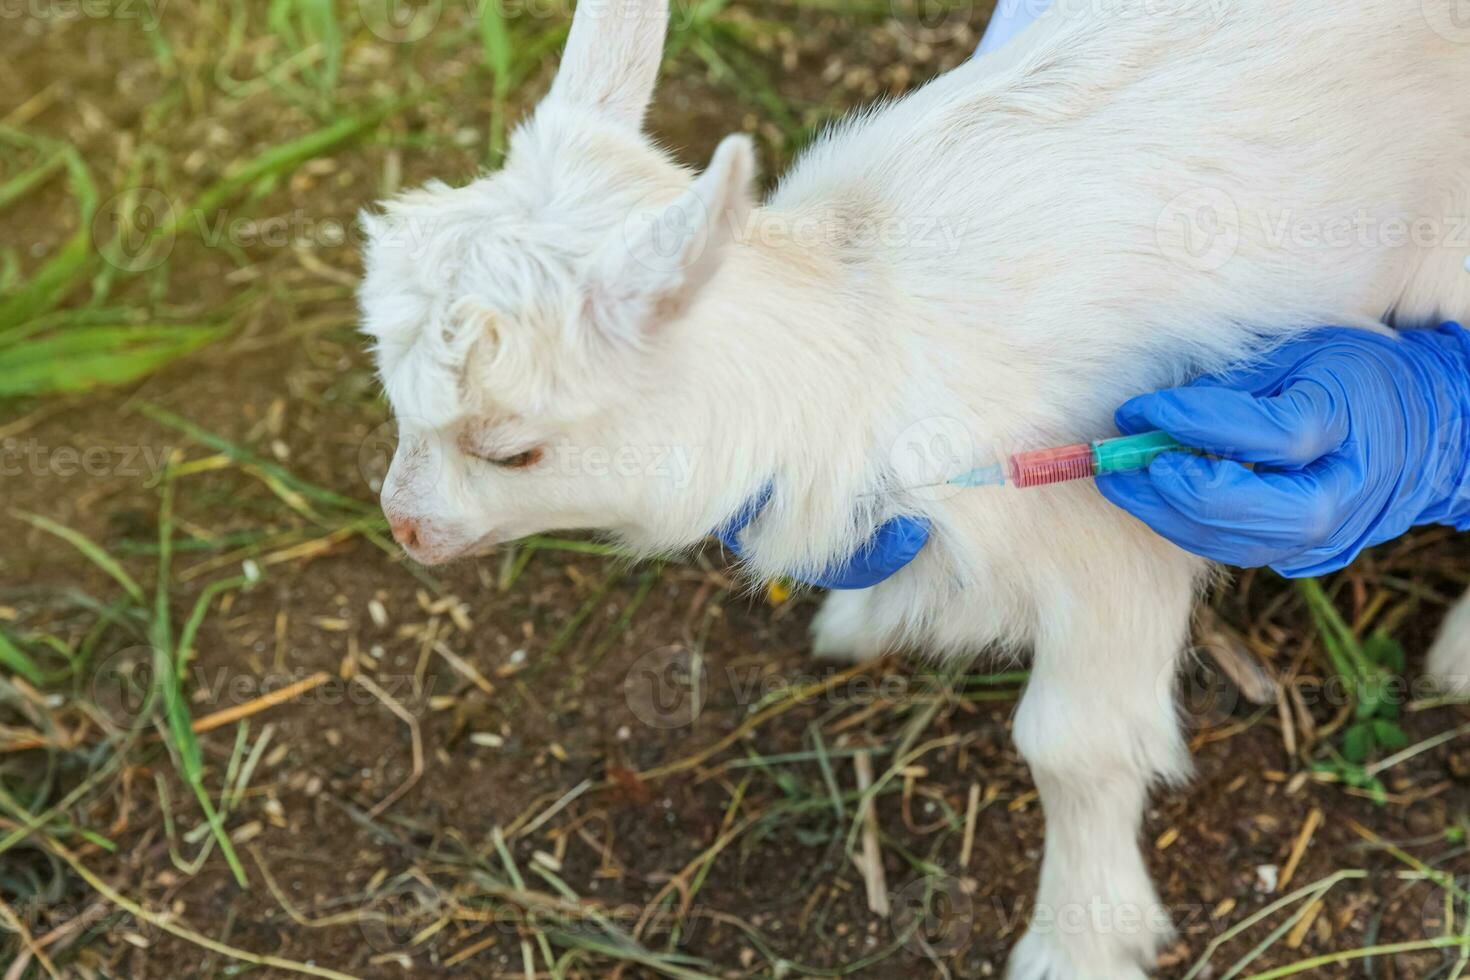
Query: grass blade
[246, 458]
[93, 357]
[68, 267]
[495, 41]
[14, 658]
[276, 161]
[170, 665]
[495, 49]
[50, 285]
[89, 548]
[23, 183]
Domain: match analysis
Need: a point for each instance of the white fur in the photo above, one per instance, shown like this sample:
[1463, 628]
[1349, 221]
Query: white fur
[1449, 658]
[997, 260]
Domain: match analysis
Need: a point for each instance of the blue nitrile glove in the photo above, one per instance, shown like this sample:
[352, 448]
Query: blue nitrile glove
[895, 544]
[1355, 437]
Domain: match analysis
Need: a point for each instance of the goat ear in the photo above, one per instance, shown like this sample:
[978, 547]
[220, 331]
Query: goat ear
[667, 253]
[612, 57]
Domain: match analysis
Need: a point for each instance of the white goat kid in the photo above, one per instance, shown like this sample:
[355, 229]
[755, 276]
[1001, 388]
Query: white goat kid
[1128, 195]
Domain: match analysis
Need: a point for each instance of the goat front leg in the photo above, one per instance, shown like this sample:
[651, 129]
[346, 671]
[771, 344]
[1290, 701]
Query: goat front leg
[844, 630]
[1098, 727]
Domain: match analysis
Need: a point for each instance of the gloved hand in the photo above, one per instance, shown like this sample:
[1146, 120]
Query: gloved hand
[1355, 438]
[894, 544]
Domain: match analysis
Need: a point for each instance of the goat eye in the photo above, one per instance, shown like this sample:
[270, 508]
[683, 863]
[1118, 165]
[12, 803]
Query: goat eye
[519, 461]
[487, 445]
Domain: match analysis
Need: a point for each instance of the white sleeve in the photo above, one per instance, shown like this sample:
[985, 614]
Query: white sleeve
[1010, 18]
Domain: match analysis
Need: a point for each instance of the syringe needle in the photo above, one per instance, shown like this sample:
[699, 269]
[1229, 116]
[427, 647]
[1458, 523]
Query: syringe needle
[984, 476]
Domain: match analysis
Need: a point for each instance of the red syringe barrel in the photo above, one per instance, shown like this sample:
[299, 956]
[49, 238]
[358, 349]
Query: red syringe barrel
[1044, 466]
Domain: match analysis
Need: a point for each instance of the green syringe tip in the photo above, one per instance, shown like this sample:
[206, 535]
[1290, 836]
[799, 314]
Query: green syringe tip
[1128, 454]
[985, 476]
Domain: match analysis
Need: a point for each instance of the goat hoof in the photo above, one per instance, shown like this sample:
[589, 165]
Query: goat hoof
[1041, 956]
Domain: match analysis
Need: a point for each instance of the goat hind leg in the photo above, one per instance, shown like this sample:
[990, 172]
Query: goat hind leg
[1438, 291]
[1449, 658]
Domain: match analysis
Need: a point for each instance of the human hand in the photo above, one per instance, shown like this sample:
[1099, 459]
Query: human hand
[1353, 437]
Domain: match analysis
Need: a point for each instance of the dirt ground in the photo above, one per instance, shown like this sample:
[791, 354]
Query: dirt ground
[499, 765]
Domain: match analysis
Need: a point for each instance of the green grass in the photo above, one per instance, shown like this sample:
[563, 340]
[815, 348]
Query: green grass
[13, 658]
[66, 269]
[1366, 666]
[51, 340]
[169, 659]
[310, 31]
[54, 337]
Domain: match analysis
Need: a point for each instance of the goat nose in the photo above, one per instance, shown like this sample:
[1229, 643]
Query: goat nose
[405, 531]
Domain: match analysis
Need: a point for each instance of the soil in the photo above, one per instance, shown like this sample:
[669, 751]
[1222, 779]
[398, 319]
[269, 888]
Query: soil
[568, 707]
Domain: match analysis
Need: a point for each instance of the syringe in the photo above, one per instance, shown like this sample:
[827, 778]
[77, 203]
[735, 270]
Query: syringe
[1045, 466]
